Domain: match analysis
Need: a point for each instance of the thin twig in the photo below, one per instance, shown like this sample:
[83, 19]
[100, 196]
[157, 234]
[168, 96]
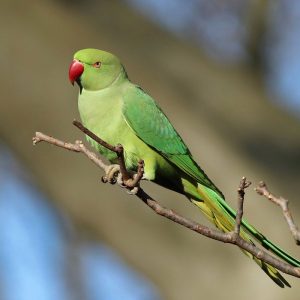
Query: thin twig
[78, 146]
[94, 136]
[263, 190]
[239, 214]
[234, 239]
[121, 159]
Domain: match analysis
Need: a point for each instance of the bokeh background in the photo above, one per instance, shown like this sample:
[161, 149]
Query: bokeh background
[227, 73]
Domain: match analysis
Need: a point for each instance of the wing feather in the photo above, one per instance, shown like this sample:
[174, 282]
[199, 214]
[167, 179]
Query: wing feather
[152, 126]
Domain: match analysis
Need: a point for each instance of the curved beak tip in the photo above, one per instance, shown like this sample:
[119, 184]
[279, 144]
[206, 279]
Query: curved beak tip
[75, 70]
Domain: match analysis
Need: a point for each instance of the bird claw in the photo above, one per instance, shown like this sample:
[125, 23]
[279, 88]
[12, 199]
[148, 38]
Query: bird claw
[130, 190]
[111, 174]
[133, 191]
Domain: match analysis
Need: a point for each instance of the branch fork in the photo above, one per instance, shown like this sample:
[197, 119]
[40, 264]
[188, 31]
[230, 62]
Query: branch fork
[117, 173]
[235, 234]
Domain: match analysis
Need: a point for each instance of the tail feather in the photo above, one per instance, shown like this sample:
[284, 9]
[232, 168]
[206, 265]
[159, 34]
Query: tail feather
[267, 244]
[270, 271]
[223, 216]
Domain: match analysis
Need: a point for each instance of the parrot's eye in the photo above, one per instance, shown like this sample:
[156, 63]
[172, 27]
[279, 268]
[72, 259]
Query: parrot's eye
[97, 64]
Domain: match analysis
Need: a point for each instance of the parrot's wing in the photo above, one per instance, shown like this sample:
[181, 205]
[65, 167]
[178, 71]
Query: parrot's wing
[151, 125]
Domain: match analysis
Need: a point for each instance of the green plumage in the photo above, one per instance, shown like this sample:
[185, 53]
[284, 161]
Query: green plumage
[120, 112]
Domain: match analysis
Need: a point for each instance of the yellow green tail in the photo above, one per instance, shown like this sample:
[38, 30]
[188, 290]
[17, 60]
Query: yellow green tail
[222, 215]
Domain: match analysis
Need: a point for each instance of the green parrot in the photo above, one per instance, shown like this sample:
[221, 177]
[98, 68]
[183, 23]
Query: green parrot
[120, 112]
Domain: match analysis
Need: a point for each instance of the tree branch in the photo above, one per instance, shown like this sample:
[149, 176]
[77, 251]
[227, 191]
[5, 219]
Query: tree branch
[130, 182]
[263, 190]
[240, 210]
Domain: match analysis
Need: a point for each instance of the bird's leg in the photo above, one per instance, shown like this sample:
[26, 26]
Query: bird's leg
[136, 182]
[112, 173]
[122, 183]
[132, 181]
[133, 184]
[126, 179]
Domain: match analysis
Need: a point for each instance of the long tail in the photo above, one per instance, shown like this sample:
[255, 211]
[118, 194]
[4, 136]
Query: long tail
[223, 216]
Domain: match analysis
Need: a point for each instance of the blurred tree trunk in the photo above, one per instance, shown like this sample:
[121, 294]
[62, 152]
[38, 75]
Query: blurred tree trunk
[256, 26]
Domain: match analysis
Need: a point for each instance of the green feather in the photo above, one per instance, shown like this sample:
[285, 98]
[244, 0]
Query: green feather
[152, 126]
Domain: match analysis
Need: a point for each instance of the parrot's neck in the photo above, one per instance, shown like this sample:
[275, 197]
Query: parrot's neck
[101, 109]
[101, 112]
[119, 79]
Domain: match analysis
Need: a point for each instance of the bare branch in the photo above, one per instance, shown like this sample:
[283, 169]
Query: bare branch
[120, 153]
[263, 190]
[231, 237]
[94, 136]
[239, 214]
[78, 146]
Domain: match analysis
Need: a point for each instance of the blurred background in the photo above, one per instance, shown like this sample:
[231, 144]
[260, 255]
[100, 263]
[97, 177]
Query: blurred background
[227, 73]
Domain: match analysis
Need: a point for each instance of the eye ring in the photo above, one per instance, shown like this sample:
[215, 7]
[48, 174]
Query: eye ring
[97, 64]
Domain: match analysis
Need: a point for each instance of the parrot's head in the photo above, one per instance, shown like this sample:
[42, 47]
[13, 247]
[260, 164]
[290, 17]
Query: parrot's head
[94, 69]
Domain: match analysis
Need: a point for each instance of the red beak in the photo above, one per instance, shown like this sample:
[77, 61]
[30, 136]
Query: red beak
[75, 70]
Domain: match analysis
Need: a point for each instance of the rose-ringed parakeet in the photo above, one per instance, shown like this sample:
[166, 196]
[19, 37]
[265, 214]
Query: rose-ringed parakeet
[120, 112]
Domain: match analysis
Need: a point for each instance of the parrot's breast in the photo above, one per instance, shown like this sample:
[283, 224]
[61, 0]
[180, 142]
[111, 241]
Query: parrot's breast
[101, 112]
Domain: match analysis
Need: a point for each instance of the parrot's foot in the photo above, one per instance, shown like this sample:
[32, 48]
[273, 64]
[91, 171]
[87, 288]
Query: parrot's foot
[133, 185]
[133, 190]
[111, 174]
[125, 179]
[130, 190]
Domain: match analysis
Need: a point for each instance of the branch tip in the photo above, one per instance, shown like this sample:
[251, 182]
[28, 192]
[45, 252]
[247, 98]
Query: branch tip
[263, 190]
